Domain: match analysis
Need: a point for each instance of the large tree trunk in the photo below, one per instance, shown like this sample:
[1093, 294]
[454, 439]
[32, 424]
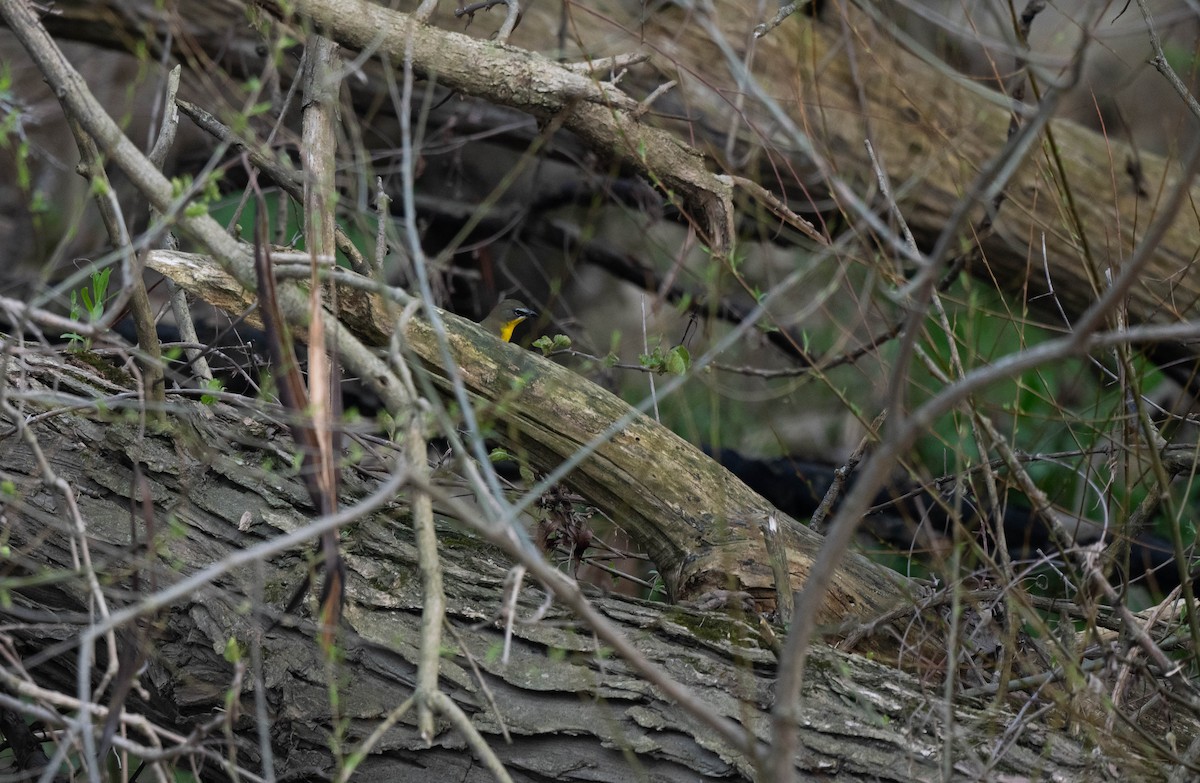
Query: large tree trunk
[573, 712]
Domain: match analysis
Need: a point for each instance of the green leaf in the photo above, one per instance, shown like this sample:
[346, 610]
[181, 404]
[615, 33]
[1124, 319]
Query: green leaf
[215, 385]
[179, 185]
[678, 360]
[233, 650]
[652, 361]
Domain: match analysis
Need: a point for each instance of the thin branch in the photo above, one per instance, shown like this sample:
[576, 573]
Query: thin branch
[784, 12]
[1163, 66]
[278, 172]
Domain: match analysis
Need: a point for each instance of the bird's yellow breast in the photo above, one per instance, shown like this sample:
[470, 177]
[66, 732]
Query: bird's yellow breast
[506, 329]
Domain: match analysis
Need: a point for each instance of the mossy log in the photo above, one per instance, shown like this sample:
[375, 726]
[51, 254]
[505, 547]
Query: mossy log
[204, 490]
[704, 528]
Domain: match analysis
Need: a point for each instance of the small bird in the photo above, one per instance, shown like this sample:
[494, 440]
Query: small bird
[505, 316]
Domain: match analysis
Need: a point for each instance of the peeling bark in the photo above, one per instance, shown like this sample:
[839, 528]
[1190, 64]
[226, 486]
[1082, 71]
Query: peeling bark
[703, 528]
[574, 713]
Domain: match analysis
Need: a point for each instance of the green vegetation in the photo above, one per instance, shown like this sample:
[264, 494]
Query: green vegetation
[87, 304]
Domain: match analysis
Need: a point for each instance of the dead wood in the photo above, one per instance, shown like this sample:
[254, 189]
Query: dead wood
[219, 480]
[704, 529]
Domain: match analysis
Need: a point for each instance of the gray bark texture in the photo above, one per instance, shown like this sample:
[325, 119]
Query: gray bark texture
[703, 528]
[218, 482]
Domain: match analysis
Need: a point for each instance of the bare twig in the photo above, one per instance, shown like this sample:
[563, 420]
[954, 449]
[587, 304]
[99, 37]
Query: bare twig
[511, 19]
[787, 10]
[611, 64]
[1160, 63]
[279, 173]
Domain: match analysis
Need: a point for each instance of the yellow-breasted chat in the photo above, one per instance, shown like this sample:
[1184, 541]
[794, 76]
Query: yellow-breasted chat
[505, 316]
